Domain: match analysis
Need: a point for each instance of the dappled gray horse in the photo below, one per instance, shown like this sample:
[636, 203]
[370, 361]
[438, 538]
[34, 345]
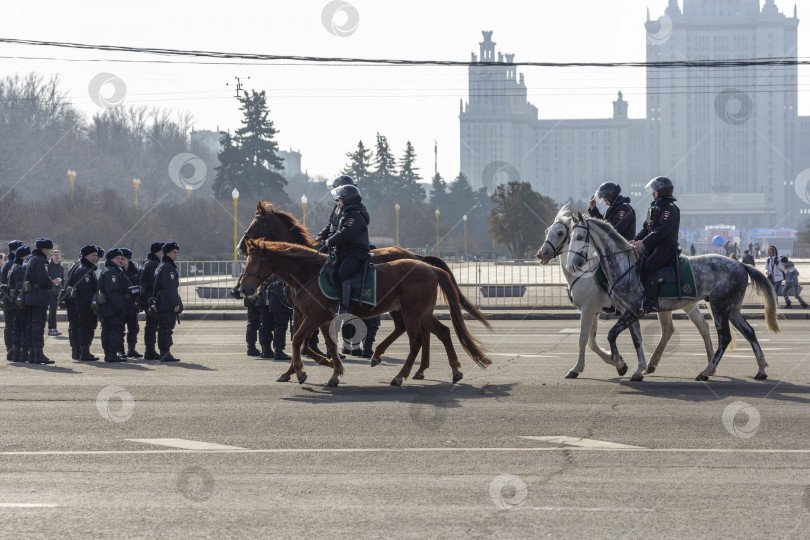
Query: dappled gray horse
[721, 280]
[589, 298]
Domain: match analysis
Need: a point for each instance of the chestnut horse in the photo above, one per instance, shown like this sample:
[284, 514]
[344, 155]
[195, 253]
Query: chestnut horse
[406, 285]
[269, 223]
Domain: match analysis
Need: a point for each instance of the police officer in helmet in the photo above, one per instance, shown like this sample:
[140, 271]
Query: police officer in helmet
[334, 217]
[350, 240]
[658, 238]
[619, 213]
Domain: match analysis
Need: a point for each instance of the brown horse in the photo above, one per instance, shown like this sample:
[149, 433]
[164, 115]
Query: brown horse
[269, 223]
[407, 285]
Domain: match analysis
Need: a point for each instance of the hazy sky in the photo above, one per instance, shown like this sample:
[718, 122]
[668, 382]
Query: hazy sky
[324, 110]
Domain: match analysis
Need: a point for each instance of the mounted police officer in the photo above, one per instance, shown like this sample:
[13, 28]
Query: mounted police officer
[350, 240]
[111, 312]
[132, 279]
[658, 238]
[334, 217]
[82, 280]
[169, 303]
[37, 299]
[8, 304]
[21, 330]
[619, 213]
[147, 287]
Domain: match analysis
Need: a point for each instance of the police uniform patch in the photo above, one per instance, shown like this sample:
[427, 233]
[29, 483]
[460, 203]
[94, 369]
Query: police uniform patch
[621, 214]
[666, 214]
[350, 222]
[113, 279]
[87, 279]
[171, 275]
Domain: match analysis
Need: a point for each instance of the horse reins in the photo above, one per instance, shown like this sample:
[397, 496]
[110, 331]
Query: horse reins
[584, 256]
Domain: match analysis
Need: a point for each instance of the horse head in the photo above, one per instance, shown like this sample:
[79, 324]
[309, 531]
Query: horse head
[257, 269]
[557, 236]
[272, 224]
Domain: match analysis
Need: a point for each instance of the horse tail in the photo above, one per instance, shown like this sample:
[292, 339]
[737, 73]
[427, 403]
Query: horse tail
[468, 306]
[470, 345]
[764, 287]
[731, 344]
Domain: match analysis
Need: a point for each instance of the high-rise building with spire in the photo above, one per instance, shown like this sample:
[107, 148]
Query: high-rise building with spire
[730, 138]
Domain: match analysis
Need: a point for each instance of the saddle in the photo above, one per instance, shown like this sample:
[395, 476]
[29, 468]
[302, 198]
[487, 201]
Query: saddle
[364, 284]
[677, 281]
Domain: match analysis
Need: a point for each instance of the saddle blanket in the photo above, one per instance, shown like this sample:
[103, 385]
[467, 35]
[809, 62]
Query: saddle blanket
[369, 292]
[669, 289]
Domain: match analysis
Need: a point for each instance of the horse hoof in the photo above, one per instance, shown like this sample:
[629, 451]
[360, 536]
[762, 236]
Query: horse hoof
[419, 375]
[375, 360]
[650, 369]
[457, 377]
[284, 378]
[637, 377]
[712, 373]
[702, 378]
[396, 381]
[761, 376]
[332, 382]
[572, 375]
[302, 377]
[622, 370]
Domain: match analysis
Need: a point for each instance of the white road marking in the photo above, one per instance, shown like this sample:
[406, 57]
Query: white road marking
[580, 442]
[186, 444]
[27, 505]
[521, 355]
[569, 331]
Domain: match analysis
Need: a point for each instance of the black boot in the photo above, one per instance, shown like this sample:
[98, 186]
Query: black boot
[75, 353]
[17, 355]
[281, 355]
[39, 357]
[252, 350]
[267, 353]
[166, 356]
[345, 297]
[151, 353]
[132, 353]
[24, 354]
[10, 354]
[650, 303]
[86, 356]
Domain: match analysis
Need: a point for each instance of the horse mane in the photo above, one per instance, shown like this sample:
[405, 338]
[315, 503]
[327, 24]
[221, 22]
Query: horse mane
[608, 229]
[287, 249]
[299, 232]
[564, 215]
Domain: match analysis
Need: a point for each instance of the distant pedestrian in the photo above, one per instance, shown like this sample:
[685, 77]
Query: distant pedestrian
[735, 251]
[692, 250]
[757, 251]
[57, 274]
[751, 248]
[791, 287]
[772, 269]
[748, 258]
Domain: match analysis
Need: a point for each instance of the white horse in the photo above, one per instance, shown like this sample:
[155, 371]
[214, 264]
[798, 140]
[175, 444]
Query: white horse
[589, 298]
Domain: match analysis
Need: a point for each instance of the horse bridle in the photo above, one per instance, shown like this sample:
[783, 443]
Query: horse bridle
[557, 250]
[584, 254]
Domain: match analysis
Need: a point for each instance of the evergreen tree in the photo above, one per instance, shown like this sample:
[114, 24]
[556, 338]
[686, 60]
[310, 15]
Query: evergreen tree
[438, 191]
[408, 187]
[461, 198]
[384, 176]
[231, 165]
[359, 166]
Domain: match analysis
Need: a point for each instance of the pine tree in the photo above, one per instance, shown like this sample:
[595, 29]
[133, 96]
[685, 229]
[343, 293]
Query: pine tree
[231, 165]
[438, 191]
[359, 166]
[384, 176]
[461, 198]
[408, 187]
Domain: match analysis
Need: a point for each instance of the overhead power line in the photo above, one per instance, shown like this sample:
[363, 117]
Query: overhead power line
[404, 62]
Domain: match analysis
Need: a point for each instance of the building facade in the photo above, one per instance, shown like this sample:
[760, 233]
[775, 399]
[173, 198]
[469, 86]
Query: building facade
[730, 137]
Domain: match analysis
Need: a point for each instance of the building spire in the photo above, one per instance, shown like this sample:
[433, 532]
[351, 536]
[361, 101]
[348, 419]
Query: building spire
[673, 8]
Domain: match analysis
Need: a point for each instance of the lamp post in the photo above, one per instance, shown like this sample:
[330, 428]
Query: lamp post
[136, 182]
[437, 230]
[464, 217]
[72, 179]
[304, 206]
[396, 210]
[189, 189]
[235, 195]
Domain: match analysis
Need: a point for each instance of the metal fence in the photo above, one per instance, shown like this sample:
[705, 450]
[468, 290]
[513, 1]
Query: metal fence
[489, 284]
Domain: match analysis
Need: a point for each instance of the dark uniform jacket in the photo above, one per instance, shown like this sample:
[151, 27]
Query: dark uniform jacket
[132, 275]
[167, 282]
[114, 288]
[661, 226]
[332, 225]
[277, 296]
[6, 268]
[15, 279]
[40, 280]
[147, 279]
[351, 237]
[55, 270]
[619, 214]
[82, 277]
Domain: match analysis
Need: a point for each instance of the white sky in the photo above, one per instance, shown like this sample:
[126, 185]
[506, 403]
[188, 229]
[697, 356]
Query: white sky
[324, 110]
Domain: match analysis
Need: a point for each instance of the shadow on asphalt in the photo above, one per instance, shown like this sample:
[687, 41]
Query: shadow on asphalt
[718, 389]
[53, 368]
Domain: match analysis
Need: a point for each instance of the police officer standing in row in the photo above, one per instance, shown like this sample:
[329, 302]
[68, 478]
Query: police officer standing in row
[169, 303]
[278, 315]
[132, 277]
[55, 270]
[619, 213]
[111, 312]
[147, 281]
[658, 238]
[37, 299]
[20, 336]
[82, 279]
[254, 322]
[8, 305]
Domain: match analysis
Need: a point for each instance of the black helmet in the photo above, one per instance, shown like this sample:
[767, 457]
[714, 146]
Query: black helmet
[662, 185]
[609, 191]
[344, 180]
[349, 194]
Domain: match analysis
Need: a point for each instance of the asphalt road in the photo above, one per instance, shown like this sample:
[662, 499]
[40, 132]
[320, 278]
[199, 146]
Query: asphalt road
[214, 447]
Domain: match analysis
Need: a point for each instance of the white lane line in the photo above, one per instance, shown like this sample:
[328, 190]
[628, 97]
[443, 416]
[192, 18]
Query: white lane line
[187, 445]
[569, 331]
[27, 505]
[521, 355]
[580, 442]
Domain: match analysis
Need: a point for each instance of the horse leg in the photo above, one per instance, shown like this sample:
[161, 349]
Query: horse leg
[331, 347]
[399, 329]
[602, 353]
[667, 329]
[296, 365]
[414, 331]
[723, 338]
[586, 326]
[635, 333]
[443, 333]
[745, 329]
[407, 366]
[697, 319]
[627, 318]
[424, 362]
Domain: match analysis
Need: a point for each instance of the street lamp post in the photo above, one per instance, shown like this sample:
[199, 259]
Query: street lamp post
[189, 189]
[304, 206]
[235, 195]
[72, 179]
[464, 217]
[136, 182]
[437, 231]
[396, 210]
